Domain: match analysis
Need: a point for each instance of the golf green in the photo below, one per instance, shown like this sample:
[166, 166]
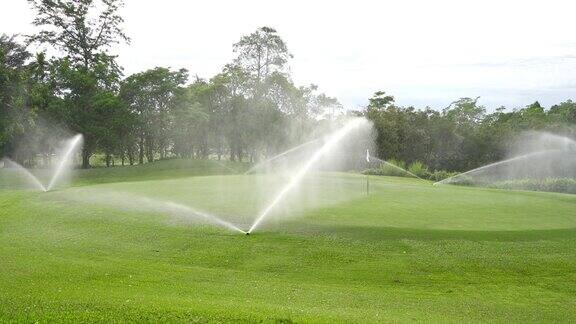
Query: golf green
[109, 249]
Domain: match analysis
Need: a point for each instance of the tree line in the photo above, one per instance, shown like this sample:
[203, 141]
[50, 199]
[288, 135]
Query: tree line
[462, 136]
[250, 110]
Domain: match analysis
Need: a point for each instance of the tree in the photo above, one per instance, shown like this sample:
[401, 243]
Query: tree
[190, 117]
[380, 100]
[112, 122]
[81, 90]
[151, 95]
[83, 30]
[261, 56]
[384, 115]
[14, 117]
[465, 115]
[261, 53]
[562, 118]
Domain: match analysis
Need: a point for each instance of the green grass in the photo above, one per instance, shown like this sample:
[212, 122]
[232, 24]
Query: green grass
[407, 252]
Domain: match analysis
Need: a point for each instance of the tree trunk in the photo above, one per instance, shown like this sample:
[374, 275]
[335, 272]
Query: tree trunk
[46, 160]
[86, 158]
[141, 153]
[149, 150]
[131, 155]
[239, 153]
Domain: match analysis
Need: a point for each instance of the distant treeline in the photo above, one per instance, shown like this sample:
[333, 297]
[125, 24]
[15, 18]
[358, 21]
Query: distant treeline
[463, 135]
[250, 110]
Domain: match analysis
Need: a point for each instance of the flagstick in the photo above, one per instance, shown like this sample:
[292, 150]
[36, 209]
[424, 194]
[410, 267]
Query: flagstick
[368, 174]
[367, 184]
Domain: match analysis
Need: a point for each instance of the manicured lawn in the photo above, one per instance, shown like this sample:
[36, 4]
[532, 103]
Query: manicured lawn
[408, 251]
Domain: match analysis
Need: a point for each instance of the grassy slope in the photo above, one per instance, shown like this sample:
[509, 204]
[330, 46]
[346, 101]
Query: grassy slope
[168, 169]
[407, 252]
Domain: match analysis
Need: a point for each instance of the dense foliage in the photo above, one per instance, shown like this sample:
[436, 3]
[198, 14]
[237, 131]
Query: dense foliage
[250, 110]
[566, 185]
[462, 136]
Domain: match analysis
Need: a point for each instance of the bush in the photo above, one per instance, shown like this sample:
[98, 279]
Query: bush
[398, 163]
[419, 169]
[440, 175]
[564, 185]
[397, 168]
[386, 170]
[392, 168]
[464, 180]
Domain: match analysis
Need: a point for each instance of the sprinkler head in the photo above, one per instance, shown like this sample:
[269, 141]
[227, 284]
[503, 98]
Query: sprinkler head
[247, 233]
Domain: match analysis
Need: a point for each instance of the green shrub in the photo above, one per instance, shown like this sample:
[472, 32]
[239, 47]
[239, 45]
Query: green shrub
[440, 175]
[399, 163]
[565, 185]
[386, 170]
[464, 180]
[392, 168]
[418, 168]
[397, 168]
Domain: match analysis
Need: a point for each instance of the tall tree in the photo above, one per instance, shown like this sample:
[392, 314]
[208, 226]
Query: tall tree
[261, 53]
[14, 117]
[152, 96]
[84, 31]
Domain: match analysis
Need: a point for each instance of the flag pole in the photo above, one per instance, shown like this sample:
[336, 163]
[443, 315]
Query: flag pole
[368, 173]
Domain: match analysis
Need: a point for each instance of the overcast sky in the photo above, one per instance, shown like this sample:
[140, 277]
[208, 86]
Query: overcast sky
[423, 52]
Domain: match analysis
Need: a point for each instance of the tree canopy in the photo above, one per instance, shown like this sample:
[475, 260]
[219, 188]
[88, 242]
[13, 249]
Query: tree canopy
[250, 110]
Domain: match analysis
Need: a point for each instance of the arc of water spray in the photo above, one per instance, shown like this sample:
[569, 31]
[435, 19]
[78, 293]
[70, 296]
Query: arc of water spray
[257, 166]
[64, 159]
[370, 157]
[145, 204]
[328, 145]
[206, 216]
[27, 173]
[72, 144]
[447, 180]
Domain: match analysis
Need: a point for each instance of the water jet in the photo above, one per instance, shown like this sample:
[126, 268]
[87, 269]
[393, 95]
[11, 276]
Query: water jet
[329, 145]
[535, 156]
[71, 146]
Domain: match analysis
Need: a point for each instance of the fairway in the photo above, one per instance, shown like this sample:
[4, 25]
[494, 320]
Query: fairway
[255, 168]
[407, 251]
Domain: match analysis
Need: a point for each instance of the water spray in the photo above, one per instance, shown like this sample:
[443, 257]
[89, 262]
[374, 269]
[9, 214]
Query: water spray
[397, 168]
[32, 178]
[330, 143]
[71, 147]
[259, 165]
[491, 165]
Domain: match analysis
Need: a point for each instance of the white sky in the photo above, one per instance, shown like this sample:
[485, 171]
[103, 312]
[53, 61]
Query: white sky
[423, 52]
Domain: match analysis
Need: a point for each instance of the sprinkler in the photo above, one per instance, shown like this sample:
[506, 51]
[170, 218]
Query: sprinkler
[247, 233]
